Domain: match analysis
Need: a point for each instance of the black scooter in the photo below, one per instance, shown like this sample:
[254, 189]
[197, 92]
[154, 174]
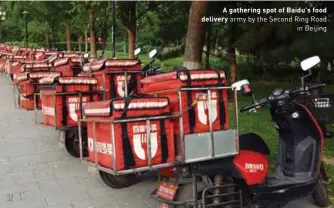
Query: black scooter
[299, 171]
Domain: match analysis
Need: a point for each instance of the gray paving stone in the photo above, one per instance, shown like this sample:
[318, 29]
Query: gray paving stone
[23, 204]
[76, 192]
[57, 200]
[130, 199]
[98, 192]
[151, 203]
[31, 196]
[6, 182]
[59, 182]
[32, 167]
[23, 177]
[91, 181]
[97, 202]
[44, 174]
[48, 189]
[24, 187]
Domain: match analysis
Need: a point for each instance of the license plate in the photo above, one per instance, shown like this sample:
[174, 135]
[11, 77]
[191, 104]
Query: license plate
[167, 191]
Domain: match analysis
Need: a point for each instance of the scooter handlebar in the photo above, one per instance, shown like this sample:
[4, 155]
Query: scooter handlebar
[316, 86]
[260, 103]
[256, 105]
[308, 88]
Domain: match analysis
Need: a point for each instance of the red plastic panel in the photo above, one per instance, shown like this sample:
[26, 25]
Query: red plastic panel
[252, 165]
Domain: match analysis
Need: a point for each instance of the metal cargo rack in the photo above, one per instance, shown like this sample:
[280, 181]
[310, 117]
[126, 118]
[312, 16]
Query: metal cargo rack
[212, 152]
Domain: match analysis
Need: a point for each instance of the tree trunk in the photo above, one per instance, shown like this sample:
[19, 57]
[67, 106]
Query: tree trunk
[195, 35]
[132, 42]
[104, 35]
[213, 42]
[86, 42]
[208, 46]
[92, 32]
[53, 43]
[232, 53]
[68, 36]
[233, 64]
[131, 30]
[323, 69]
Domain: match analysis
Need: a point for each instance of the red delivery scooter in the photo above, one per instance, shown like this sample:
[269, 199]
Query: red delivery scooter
[243, 180]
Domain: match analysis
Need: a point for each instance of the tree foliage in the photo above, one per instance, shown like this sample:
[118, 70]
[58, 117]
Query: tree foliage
[266, 46]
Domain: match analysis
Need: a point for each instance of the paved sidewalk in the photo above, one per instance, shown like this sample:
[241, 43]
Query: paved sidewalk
[36, 173]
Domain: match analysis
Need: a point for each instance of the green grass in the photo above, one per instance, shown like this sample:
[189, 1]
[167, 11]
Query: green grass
[260, 123]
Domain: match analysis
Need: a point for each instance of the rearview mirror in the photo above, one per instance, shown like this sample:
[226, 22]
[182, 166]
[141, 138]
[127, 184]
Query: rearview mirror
[137, 51]
[237, 85]
[242, 85]
[309, 63]
[152, 53]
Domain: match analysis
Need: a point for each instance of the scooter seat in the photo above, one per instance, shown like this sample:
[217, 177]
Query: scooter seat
[253, 142]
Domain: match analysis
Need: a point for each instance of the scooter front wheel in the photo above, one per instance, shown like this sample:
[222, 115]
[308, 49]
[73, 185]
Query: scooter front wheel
[320, 192]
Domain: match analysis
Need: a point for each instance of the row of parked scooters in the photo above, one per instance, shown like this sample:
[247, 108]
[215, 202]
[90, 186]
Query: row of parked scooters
[125, 119]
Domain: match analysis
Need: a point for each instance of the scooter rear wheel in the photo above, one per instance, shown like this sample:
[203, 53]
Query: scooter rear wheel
[320, 193]
[118, 181]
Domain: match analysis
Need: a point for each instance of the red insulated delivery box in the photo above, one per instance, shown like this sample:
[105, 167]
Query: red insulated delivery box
[129, 148]
[194, 104]
[28, 84]
[70, 66]
[31, 66]
[110, 75]
[61, 101]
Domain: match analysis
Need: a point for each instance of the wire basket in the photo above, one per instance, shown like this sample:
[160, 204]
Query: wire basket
[322, 106]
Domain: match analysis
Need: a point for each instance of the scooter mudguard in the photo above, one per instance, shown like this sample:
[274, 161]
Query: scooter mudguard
[253, 166]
